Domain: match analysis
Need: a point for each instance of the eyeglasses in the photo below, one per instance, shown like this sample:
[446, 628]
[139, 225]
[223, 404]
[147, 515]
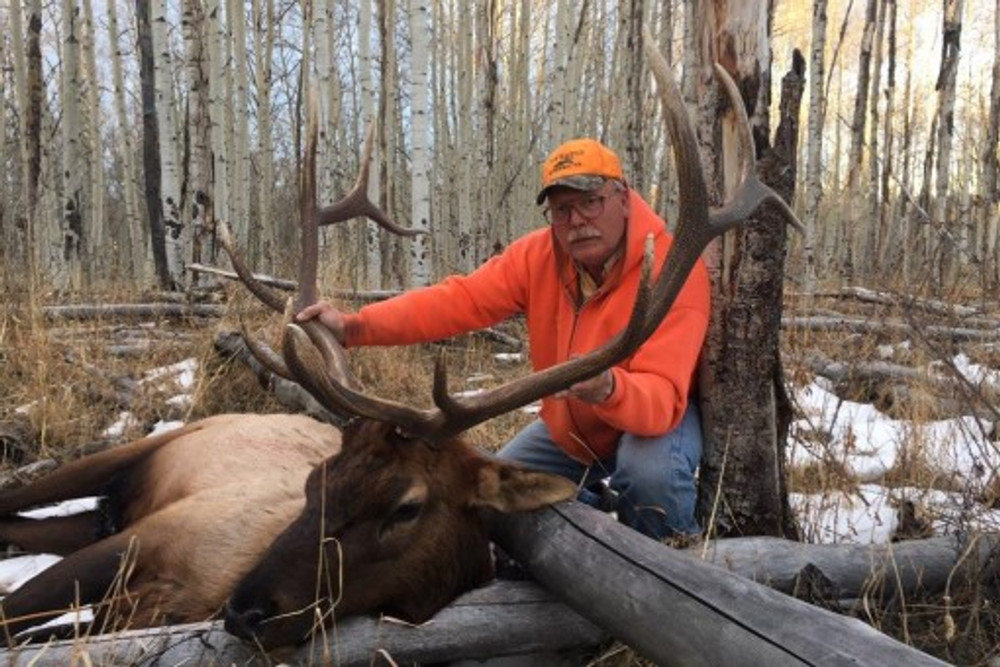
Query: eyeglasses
[588, 207]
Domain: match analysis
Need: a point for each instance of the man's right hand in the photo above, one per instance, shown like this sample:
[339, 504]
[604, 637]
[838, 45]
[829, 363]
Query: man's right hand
[327, 315]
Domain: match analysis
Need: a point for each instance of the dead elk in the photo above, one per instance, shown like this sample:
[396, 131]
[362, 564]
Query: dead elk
[187, 514]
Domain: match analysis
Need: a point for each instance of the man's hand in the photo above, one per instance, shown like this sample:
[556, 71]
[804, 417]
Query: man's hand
[327, 315]
[595, 390]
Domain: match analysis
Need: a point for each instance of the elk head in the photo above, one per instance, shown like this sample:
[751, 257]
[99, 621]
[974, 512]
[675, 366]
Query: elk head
[391, 523]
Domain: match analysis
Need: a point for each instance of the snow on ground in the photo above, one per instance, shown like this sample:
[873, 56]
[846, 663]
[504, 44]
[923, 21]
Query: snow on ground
[867, 444]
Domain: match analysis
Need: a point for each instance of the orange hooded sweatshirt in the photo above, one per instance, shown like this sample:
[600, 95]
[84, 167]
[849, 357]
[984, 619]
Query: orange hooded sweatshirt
[534, 276]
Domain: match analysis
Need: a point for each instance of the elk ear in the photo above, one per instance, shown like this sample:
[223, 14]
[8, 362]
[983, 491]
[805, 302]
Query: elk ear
[511, 488]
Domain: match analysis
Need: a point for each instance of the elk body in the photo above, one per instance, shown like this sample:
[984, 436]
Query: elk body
[187, 514]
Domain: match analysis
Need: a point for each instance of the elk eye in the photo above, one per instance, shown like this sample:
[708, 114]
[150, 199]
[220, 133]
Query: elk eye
[406, 512]
[403, 514]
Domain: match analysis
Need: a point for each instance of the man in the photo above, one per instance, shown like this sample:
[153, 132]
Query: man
[576, 283]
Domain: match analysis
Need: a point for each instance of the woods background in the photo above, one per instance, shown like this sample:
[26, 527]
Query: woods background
[130, 128]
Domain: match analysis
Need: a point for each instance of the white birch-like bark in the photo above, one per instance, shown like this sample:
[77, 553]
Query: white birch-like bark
[96, 234]
[264, 25]
[68, 270]
[240, 153]
[487, 224]
[369, 94]
[170, 167]
[132, 236]
[218, 37]
[20, 245]
[854, 197]
[870, 230]
[562, 86]
[886, 205]
[465, 161]
[420, 195]
[393, 265]
[991, 171]
[324, 71]
[814, 145]
[196, 210]
[950, 236]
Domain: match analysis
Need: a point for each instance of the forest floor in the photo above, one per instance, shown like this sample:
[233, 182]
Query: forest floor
[72, 383]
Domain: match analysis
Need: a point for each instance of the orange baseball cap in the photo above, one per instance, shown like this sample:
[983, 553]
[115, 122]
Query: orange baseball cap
[581, 164]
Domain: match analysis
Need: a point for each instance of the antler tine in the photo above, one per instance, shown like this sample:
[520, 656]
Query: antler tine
[356, 202]
[263, 293]
[268, 358]
[751, 192]
[334, 388]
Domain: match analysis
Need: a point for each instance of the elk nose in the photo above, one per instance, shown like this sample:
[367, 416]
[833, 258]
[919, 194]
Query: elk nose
[244, 623]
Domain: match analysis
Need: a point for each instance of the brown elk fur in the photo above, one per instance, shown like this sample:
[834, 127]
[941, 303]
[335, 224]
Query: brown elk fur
[191, 512]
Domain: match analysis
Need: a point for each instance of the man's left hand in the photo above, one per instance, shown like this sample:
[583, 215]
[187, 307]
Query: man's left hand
[595, 390]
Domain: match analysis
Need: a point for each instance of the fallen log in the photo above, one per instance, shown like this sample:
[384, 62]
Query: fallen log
[292, 395]
[896, 329]
[290, 285]
[676, 610]
[865, 295]
[131, 310]
[850, 571]
[503, 619]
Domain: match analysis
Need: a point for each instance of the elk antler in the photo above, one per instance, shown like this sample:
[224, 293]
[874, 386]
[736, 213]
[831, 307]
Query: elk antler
[697, 226]
[355, 204]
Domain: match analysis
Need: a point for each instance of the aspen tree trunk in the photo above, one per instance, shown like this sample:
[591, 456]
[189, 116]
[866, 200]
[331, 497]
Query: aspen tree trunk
[333, 137]
[488, 234]
[150, 144]
[370, 240]
[928, 253]
[420, 195]
[445, 179]
[950, 232]
[324, 69]
[219, 117]
[131, 238]
[905, 240]
[886, 205]
[33, 130]
[635, 86]
[95, 238]
[744, 407]
[814, 145]
[264, 27]
[76, 187]
[240, 155]
[855, 209]
[394, 269]
[170, 167]
[869, 227]
[23, 248]
[991, 165]
[196, 207]
[663, 197]
[563, 86]
[6, 200]
[465, 162]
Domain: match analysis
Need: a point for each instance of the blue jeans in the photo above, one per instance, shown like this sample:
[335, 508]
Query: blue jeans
[654, 477]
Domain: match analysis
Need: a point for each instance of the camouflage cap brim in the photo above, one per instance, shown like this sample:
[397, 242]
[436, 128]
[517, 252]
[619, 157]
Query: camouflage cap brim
[578, 182]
